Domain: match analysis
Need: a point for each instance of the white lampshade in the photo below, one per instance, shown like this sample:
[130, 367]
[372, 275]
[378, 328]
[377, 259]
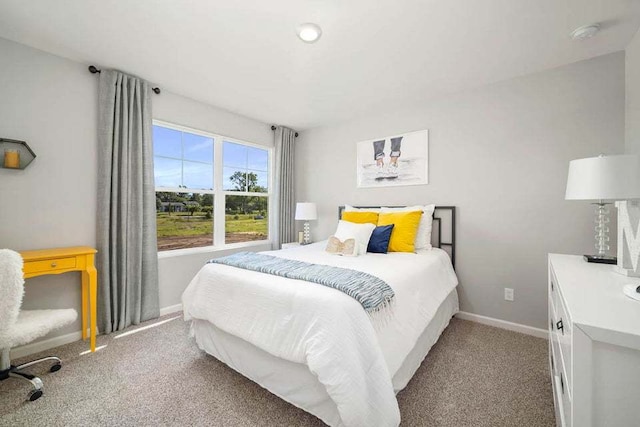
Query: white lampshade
[604, 178]
[306, 211]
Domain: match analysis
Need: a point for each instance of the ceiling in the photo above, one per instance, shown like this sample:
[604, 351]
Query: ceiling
[373, 56]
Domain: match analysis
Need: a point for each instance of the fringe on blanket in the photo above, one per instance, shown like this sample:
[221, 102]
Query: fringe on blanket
[383, 314]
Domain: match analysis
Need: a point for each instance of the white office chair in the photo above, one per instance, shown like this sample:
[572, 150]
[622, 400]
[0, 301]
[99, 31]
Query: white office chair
[21, 327]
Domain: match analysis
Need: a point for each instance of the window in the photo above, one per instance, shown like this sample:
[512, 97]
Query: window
[210, 190]
[246, 173]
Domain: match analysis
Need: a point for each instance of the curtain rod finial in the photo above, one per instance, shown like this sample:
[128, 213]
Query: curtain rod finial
[274, 128]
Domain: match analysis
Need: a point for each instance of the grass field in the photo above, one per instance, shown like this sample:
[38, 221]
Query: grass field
[181, 230]
[181, 224]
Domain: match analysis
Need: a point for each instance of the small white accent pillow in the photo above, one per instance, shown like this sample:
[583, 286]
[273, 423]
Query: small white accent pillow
[360, 232]
[347, 248]
[423, 236]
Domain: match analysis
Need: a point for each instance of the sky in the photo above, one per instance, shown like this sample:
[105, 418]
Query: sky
[186, 159]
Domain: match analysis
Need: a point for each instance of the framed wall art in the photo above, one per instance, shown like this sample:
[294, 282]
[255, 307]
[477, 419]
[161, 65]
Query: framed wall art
[390, 161]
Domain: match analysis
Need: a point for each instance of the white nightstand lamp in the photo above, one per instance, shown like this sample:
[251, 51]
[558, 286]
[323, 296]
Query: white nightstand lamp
[603, 179]
[306, 212]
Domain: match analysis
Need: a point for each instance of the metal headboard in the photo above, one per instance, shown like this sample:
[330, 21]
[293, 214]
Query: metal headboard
[436, 238]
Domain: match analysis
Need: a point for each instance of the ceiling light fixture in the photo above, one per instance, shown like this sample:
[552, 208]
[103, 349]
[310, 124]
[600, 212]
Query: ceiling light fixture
[309, 33]
[585, 32]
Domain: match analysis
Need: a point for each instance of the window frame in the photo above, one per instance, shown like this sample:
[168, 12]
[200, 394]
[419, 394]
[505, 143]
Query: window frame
[219, 195]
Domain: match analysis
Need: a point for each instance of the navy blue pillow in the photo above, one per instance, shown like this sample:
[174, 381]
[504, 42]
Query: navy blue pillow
[379, 242]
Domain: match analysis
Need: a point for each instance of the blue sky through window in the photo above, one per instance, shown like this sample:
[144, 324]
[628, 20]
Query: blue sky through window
[167, 172]
[184, 159]
[167, 142]
[198, 148]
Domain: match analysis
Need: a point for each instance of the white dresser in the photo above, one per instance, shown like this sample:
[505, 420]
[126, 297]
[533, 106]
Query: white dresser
[594, 350]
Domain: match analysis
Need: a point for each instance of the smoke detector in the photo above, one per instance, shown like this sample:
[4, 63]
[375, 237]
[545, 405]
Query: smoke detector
[585, 32]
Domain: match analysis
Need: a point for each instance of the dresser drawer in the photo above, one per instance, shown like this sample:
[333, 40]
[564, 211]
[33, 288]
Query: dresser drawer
[552, 357]
[52, 265]
[553, 289]
[563, 403]
[558, 403]
[564, 330]
[565, 396]
[554, 343]
[561, 392]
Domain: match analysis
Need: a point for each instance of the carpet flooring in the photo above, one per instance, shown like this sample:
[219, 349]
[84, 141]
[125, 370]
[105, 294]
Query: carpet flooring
[154, 375]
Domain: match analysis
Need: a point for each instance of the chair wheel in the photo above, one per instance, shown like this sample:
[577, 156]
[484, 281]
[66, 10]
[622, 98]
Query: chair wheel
[55, 367]
[34, 395]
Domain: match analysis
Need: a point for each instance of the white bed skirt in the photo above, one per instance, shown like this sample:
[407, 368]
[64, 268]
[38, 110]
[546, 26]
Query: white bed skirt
[293, 382]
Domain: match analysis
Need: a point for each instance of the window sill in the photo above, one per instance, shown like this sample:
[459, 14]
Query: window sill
[211, 249]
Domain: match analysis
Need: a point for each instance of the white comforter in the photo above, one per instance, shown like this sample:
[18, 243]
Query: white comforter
[326, 329]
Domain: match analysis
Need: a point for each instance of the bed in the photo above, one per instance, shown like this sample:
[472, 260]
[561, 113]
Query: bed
[315, 347]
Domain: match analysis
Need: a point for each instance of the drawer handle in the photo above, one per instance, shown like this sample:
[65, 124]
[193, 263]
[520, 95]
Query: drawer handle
[54, 264]
[560, 326]
[561, 383]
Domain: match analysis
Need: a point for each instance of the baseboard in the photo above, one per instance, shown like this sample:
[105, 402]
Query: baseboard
[171, 309]
[503, 324]
[38, 346]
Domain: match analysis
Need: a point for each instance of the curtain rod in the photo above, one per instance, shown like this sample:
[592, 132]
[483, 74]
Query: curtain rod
[94, 70]
[274, 128]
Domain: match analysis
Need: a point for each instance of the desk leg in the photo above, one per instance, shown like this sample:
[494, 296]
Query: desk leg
[93, 299]
[93, 302]
[85, 303]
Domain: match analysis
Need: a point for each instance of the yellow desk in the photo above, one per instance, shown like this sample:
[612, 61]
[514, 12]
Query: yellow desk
[63, 260]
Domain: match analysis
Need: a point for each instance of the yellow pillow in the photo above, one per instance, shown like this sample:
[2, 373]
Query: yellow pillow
[361, 217]
[404, 231]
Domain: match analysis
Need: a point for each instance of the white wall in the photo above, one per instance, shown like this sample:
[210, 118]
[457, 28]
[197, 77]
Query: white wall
[51, 102]
[632, 92]
[500, 154]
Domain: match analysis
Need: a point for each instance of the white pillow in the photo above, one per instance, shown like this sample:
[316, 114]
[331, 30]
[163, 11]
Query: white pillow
[349, 208]
[351, 230]
[423, 236]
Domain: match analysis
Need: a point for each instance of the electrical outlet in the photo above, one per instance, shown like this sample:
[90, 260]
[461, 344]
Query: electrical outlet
[508, 294]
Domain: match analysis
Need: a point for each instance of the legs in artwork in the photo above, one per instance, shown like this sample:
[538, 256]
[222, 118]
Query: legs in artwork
[391, 171]
[378, 156]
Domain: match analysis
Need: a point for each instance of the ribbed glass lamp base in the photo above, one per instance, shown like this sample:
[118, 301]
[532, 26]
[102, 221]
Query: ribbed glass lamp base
[306, 233]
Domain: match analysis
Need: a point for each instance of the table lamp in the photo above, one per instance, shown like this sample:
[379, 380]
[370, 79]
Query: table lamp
[603, 179]
[306, 212]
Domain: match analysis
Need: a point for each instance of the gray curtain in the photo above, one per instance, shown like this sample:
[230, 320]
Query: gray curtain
[285, 189]
[127, 257]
